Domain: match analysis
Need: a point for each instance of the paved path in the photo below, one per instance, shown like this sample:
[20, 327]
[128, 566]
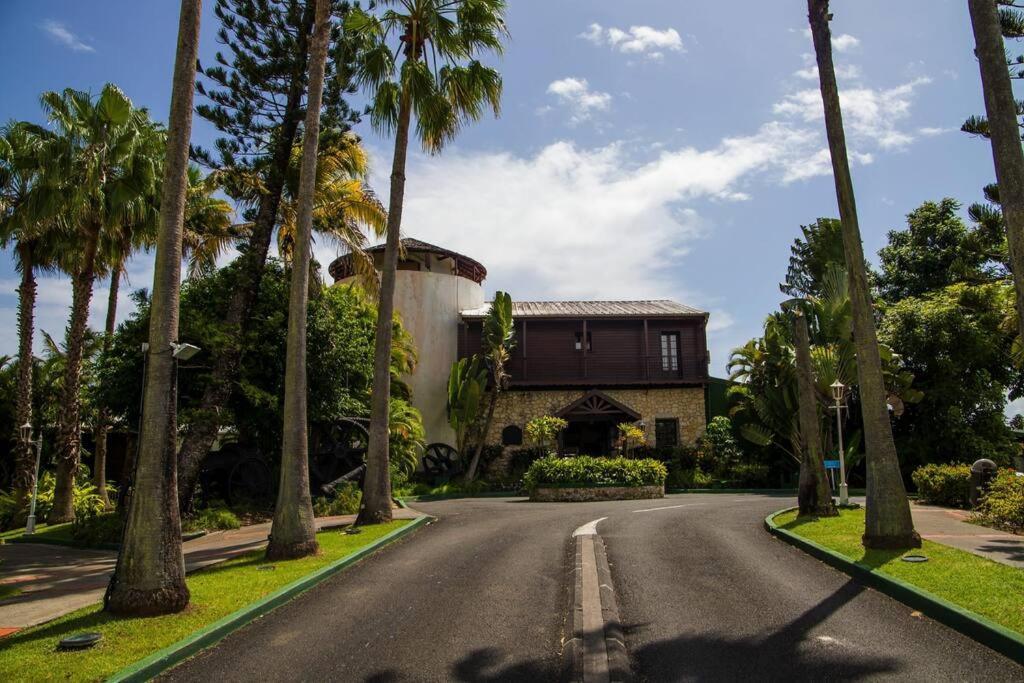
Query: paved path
[703, 591]
[949, 527]
[55, 580]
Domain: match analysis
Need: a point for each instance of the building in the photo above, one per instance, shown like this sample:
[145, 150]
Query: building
[593, 363]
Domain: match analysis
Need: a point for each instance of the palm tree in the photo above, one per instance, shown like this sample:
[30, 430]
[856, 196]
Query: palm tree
[1003, 128]
[150, 573]
[102, 164]
[208, 231]
[293, 532]
[888, 523]
[498, 333]
[814, 496]
[418, 59]
[34, 240]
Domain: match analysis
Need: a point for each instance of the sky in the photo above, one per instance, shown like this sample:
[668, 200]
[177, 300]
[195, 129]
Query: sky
[644, 149]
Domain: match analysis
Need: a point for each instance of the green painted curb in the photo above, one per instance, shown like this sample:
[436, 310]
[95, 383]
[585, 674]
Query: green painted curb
[973, 625]
[175, 653]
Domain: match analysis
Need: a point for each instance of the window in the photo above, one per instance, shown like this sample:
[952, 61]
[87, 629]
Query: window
[579, 342]
[670, 351]
[666, 432]
[512, 436]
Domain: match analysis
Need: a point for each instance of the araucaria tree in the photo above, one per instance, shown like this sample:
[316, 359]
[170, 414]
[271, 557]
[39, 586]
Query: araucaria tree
[888, 523]
[417, 59]
[256, 99]
[293, 533]
[150, 573]
[1002, 110]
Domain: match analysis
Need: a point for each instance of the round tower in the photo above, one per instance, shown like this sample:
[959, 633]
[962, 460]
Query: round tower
[433, 286]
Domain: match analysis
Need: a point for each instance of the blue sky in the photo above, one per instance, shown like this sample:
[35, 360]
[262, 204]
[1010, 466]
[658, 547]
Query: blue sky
[645, 149]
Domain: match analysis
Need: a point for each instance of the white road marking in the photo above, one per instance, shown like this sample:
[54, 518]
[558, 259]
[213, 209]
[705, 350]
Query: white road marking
[588, 529]
[668, 507]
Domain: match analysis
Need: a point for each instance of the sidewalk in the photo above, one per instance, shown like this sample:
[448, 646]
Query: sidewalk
[55, 580]
[948, 526]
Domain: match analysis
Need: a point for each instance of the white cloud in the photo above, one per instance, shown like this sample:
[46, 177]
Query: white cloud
[843, 42]
[931, 131]
[844, 71]
[869, 114]
[61, 34]
[645, 40]
[576, 95]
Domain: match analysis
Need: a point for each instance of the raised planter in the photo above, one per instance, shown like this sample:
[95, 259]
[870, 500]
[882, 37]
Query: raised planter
[584, 494]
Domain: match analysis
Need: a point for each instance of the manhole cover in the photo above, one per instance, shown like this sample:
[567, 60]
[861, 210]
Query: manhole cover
[353, 530]
[80, 641]
[265, 568]
[914, 558]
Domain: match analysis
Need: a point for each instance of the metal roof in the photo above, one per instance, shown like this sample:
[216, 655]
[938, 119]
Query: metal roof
[472, 269]
[653, 308]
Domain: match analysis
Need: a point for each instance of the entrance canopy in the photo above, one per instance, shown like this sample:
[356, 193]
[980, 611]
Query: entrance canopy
[595, 405]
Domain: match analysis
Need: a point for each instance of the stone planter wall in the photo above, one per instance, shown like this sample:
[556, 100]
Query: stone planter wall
[586, 494]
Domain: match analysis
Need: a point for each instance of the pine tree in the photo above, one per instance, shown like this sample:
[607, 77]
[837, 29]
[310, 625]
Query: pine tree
[256, 99]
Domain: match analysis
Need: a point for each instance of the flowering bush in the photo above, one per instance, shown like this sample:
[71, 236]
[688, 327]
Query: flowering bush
[587, 471]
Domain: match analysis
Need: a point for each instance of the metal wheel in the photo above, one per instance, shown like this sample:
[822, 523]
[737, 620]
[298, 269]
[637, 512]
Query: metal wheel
[441, 460]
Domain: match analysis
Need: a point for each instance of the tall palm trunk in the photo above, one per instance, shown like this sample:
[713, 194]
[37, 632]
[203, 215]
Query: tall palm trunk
[102, 429]
[25, 463]
[376, 505]
[69, 428]
[150, 573]
[203, 432]
[888, 523]
[813, 496]
[475, 462]
[1001, 109]
[293, 533]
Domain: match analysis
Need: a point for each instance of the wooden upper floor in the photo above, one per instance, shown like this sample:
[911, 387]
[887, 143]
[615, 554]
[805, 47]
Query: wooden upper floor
[595, 343]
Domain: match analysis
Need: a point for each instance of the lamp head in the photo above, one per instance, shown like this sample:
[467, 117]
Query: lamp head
[837, 390]
[184, 352]
[26, 432]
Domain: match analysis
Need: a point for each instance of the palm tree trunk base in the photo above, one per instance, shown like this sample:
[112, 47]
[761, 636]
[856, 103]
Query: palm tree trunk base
[367, 517]
[291, 551]
[901, 542]
[133, 602]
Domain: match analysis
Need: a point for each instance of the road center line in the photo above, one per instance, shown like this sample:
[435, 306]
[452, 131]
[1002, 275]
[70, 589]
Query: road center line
[667, 507]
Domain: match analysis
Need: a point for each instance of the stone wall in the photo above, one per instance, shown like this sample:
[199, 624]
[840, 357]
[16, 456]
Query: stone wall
[585, 494]
[683, 403]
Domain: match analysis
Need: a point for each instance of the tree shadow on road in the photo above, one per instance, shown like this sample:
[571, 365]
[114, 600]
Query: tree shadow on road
[785, 653]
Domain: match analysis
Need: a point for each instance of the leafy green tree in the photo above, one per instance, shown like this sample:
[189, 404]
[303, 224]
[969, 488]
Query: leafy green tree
[293, 532]
[888, 523]
[543, 431]
[417, 59]
[467, 382]
[256, 98]
[498, 339]
[937, 249]
[810, 256]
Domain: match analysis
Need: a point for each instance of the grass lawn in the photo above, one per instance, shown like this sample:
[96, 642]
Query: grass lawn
[60, 533]
[8, 592]
[993, 590]
[216, 592]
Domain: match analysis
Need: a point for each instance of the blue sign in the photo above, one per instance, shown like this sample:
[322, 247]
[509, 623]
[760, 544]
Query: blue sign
[831, 464]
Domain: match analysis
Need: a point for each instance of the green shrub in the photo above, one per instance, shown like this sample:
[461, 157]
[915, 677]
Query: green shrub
[587, 471]
[346, 500]
[1003, 505]
[522, 458]
[87, 501]
[943, 484]
[748, 475]
[211, 519]
[688, 478]
[98, 530]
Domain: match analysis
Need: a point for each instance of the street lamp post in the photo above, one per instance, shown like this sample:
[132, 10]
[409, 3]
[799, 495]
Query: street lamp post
[26, 436]
[838, 388]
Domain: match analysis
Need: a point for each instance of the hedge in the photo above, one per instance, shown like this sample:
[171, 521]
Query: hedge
[1003, 505]
[588, 471]
[943, 484]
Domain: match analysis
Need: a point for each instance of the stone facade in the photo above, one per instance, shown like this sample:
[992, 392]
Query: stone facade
[686, 404]
[585, 494]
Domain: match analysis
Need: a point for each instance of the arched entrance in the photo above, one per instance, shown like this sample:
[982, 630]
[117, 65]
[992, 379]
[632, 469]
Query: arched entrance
[593, 421]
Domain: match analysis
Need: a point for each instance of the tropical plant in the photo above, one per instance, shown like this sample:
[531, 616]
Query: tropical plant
[417, 58]
[467, 382]
[631, 436]
[497, 339]
[407, 437]
[543, 431]
[888, 523]
[149, 577]
[585, 470]
[293, 531]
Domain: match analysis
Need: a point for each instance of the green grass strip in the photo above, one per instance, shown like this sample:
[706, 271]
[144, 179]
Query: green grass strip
[225, 597]
[972, 594]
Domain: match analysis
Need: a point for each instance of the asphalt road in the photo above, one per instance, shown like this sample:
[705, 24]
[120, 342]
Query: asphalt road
[704, 593]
